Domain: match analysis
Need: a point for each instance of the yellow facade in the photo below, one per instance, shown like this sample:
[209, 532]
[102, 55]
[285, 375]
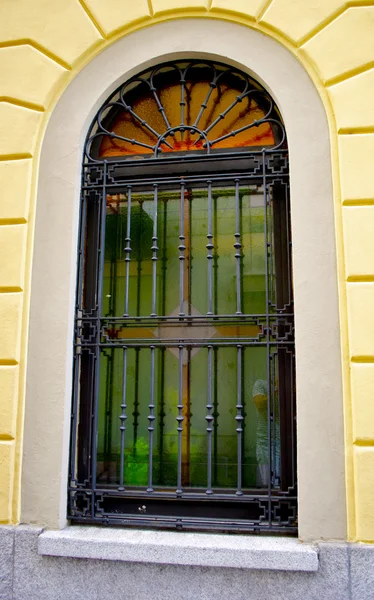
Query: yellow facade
[44, 44]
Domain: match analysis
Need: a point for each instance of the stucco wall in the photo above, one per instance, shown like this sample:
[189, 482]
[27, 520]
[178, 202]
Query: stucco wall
[43, 44]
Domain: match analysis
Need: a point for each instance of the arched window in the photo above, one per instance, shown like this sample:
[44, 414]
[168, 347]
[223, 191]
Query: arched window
[184, 398]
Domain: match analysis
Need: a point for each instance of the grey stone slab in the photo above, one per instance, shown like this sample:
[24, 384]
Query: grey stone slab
[362, 571]
[187, 549]
[40, 577]
[6, 562]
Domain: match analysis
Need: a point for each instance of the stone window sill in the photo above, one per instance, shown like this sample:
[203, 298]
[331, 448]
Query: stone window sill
[179, 548]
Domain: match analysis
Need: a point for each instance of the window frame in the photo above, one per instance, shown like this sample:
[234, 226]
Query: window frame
[93, 501]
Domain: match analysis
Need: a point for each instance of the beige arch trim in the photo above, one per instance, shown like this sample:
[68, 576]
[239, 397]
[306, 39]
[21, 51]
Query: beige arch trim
[321, 467]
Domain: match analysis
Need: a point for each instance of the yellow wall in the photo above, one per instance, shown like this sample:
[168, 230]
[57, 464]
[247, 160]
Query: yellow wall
[44, 43]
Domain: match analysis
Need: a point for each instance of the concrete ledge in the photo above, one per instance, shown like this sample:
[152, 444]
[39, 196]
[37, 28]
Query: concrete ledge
[172, 548]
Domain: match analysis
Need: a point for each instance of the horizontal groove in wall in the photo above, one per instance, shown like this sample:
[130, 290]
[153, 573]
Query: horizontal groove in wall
[362, 359]
[331, 18]
[22, 103]
[355, 130]
[360, 279]
[16, 156]
[181, 11]
[364, 443]
[10, 289]
[7, 442]
[36, 46]
[8, 362]
[318, 28]
[359, 202]
[5, 437]
[15, 221]
[349, 74]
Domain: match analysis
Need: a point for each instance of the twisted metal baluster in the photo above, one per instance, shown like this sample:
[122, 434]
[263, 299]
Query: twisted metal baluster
[181, 249]
[123, 418]
[209, 418]
[210, 247]
[151, 418]
[239, 418]
[128, 251]
[154, 251]
[180, 419]
[238, 247]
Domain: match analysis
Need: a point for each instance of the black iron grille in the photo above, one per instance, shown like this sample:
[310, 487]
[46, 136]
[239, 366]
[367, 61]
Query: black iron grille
[184, 396]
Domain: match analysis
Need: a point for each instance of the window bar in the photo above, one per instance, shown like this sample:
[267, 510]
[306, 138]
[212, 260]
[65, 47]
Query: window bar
[151, 418]
[112, 309]
[268, 350]
[180, 421]
[164, 257]
[182, 103]
[85, 414]
[101, 255]
[123, 418]
[293, 420]
[204, 104]
[93, 380]
[81, 252]
[215, 416]
[159, 105]
[186, 413]
[239, 418]
[161, 411]
[223, 114]
[77, 352]
[281, 249]
[242, 249]
[143, 122]
[244, 414]
[274, 366]
[154, 251]
[161, 416]
[210, 247]
[128, 251]
[73, 475]
[181, 249]
[139, 267]
[109, 354]
[289, 243]
[216, 249]
[209, 418]
[189, 253]
[112, 275]
[135, 413]
[238, 253]
[272, 266]
[285, 395]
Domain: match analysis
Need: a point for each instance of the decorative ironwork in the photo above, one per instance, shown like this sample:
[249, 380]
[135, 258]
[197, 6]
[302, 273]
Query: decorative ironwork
[185, 105]
[183, 409]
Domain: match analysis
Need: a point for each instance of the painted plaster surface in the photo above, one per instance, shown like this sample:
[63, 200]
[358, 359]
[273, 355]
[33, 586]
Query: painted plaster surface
[43, 44]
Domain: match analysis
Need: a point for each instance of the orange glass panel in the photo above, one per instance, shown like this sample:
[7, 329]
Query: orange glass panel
[242, 114]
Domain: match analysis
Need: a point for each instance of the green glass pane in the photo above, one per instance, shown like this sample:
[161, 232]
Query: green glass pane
[224, 458]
